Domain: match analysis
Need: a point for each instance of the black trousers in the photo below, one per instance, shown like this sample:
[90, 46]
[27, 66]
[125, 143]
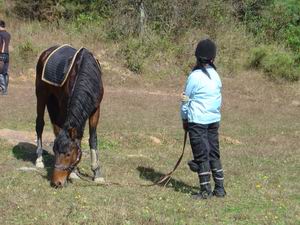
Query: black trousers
[204, 139]
[4, 58]
[4, 79]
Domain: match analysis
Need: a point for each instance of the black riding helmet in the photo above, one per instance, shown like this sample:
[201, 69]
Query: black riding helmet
[206, 50]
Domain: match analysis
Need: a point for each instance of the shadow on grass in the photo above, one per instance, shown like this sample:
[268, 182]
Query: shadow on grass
[27, 152]
[153, 176]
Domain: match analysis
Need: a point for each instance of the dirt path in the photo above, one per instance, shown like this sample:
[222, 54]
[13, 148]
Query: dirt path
[109, 89]
[14, 137]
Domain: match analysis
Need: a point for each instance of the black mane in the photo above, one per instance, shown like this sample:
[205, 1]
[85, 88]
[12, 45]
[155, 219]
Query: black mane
[61, 143]
[86, 93]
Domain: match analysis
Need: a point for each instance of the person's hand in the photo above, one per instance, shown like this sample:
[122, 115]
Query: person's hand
[185, 125]
[183, 97]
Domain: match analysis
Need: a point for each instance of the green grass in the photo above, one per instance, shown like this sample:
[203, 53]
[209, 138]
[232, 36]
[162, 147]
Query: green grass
[261, 174]
[254, 197]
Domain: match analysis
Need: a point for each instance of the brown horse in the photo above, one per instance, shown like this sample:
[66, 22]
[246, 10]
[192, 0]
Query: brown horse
[69, 107]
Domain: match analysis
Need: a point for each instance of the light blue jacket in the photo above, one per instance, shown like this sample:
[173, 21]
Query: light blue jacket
[203, 104]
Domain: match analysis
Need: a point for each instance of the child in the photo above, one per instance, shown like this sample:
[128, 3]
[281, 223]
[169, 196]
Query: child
[200, 112]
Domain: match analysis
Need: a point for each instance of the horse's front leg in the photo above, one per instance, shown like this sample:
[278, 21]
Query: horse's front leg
[39, 126]
[93, 122]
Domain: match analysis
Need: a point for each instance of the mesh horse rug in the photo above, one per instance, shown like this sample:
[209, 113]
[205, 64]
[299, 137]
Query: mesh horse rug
[58, 65]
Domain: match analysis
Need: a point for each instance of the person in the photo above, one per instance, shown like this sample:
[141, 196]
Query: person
[200, 113]
[4, 58]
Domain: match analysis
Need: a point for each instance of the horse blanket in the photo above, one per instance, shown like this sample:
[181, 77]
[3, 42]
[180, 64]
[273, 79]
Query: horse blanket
[58, 65]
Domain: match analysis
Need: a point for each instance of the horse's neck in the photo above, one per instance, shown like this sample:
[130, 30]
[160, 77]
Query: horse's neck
[72, 122]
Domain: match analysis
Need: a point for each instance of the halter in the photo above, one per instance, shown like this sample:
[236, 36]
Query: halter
[73, 165]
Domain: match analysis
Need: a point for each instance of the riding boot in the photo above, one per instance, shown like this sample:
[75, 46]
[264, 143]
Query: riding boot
[6, 80]
[218, 176]
[204, 179]
[2, 83]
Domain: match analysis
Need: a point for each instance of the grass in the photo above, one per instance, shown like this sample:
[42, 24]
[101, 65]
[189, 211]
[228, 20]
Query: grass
[261, 173]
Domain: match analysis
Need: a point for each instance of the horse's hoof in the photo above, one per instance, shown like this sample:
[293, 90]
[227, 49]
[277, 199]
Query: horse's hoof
[73, 175]
[99, 180]
[39, 164]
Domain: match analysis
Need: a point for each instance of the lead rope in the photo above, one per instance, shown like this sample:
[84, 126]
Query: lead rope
[165, 179]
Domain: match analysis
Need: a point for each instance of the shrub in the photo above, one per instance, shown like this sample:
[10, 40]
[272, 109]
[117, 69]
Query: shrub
[53, 10]
[124, 22]
[134, 52]
[141, 51]
[40, 9]
[276, 63]
[257, 55]
[26, 50]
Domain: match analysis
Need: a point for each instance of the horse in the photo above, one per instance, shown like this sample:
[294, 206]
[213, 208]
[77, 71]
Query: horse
[69, 106]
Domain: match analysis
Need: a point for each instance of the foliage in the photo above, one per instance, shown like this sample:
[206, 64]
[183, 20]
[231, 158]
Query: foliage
[272, 22]
[73, 8]
[165, 17]
[135, 51]
[49, 10]
[27, 51]
[124, 21]
[53, 10]
[247, 9]
[277, 64]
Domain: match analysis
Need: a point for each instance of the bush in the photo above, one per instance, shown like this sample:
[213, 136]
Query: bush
[27, 51]
[272, 20]
[134, 52]
[166, 18]
[38, 9]
[257, 55]
[53, 10]
[139, 52]
[276, 63]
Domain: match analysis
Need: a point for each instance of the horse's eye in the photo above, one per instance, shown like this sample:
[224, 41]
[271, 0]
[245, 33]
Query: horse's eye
[68, 154]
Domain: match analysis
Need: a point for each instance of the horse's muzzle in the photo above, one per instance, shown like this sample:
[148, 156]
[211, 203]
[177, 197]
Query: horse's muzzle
[59, 178]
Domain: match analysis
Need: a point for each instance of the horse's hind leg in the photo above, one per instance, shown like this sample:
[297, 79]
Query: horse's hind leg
[39, 126]
[93, 122]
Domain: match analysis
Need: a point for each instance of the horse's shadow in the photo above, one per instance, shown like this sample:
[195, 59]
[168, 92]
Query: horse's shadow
[27, 152]
[153, 176]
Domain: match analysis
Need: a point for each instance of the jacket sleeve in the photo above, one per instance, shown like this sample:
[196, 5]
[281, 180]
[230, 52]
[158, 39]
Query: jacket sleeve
[189, 89]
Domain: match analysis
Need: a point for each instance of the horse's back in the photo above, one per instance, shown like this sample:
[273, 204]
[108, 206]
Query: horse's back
[84, 65]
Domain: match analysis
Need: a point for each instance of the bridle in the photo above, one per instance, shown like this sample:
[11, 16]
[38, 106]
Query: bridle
[71, 167]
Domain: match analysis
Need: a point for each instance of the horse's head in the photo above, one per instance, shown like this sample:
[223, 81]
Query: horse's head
[67, 156]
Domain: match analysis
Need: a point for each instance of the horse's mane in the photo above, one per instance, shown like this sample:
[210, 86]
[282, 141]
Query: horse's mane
[61, 143]
[86, 93]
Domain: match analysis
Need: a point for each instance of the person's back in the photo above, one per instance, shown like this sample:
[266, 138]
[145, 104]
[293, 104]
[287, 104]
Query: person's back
[204, 97]
[4, 57]
[4, 41]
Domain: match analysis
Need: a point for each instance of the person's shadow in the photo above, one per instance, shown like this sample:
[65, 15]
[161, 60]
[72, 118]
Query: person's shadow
[150, 174]
[27, 152]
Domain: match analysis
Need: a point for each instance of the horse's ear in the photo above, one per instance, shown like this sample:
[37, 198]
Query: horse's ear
[72, 133]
